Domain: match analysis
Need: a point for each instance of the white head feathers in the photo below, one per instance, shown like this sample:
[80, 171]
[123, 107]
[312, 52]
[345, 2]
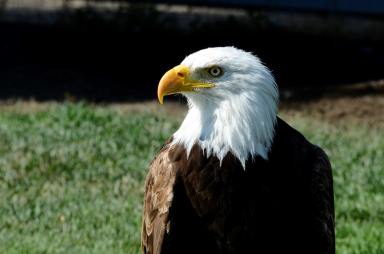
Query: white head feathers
[237, 115]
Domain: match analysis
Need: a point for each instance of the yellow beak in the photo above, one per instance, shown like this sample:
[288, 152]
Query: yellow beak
[178, 80]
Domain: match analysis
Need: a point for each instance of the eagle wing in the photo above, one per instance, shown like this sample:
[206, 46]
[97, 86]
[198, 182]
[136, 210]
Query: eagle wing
[323, 203]
[157, 201]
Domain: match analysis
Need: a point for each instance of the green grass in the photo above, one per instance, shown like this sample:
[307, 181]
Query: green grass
[71, 178]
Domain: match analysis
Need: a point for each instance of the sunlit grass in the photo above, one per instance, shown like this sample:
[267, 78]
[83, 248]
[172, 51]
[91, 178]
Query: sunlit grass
[71, 178]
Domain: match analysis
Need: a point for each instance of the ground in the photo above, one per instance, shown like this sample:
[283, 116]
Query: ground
[71, 174]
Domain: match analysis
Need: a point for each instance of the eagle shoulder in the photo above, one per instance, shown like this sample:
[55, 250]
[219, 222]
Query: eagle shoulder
[157, 201]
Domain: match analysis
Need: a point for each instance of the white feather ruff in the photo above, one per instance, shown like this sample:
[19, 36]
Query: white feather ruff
[236, 116]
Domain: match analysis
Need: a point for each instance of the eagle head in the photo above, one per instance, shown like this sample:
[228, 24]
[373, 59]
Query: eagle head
[233, 101]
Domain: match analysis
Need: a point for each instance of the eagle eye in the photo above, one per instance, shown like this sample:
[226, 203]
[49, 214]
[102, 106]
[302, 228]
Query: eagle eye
[215, 71]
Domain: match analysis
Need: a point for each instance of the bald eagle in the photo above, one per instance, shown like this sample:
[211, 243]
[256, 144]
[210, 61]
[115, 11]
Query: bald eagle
[235, 178]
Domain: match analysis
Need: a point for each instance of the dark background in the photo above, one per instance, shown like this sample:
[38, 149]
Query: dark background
[83, 55]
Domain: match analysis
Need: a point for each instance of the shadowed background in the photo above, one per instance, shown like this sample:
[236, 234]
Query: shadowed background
[117, 50]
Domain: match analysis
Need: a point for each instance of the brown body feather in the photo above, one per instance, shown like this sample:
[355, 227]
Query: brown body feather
[282, 205]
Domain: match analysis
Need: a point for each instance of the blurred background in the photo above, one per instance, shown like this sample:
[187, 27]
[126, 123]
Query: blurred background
[79, 121]
[117, 50]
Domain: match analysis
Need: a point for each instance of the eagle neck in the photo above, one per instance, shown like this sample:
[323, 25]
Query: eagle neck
[243, 125]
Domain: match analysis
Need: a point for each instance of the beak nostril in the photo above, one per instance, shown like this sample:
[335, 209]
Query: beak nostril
[180, 74]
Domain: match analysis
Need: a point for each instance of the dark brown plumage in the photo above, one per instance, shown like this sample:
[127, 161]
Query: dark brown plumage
[280, 205]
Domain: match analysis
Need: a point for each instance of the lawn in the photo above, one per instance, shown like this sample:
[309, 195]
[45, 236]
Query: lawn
[71, 176]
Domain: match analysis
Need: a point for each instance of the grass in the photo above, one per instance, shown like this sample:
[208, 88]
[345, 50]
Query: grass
[71, 177]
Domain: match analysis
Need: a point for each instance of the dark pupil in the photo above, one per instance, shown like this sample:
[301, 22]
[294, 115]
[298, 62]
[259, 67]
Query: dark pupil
[215, 71]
